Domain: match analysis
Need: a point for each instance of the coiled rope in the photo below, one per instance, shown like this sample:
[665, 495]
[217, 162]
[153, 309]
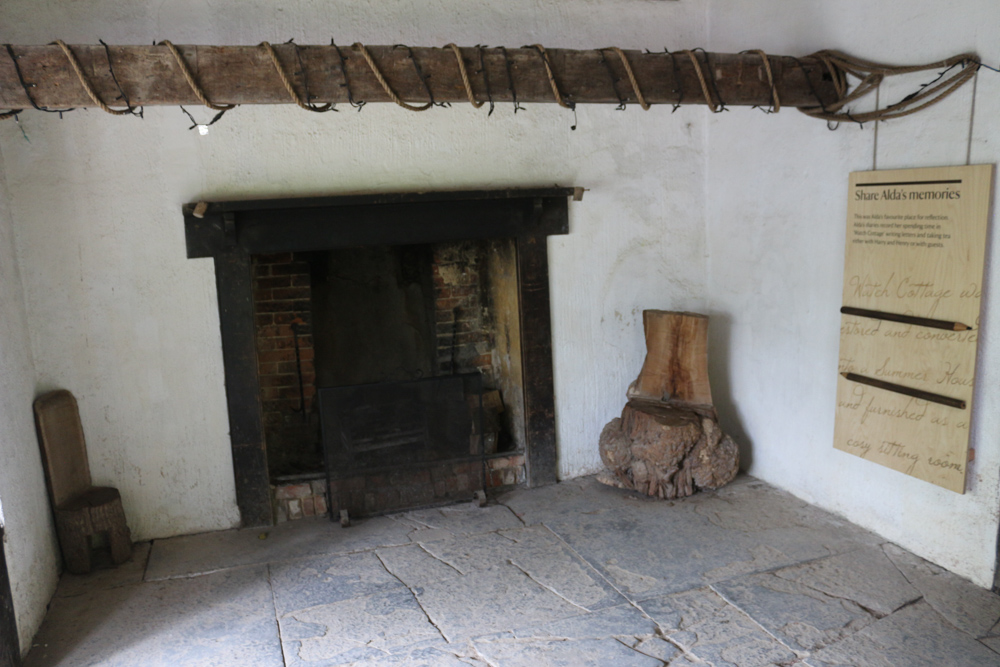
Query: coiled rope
[871, 74]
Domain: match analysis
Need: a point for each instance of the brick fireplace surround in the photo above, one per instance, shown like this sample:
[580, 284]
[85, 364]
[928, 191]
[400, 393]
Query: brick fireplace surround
[233, 233]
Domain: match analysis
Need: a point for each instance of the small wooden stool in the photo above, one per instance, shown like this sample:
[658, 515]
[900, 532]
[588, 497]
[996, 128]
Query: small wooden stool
[81, 510]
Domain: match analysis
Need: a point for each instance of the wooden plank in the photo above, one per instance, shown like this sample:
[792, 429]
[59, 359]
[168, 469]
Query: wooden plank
[915, 247]
[372, 199]
[536, 353]
[10, 652]
[149, 76]
[396, 224]
[676, 364]
[64, 449]
[239, 352]
[325, 224]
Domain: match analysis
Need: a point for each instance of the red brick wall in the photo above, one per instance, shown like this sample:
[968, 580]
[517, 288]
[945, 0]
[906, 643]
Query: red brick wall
[282, 292]
[282, 299]
[464, 338]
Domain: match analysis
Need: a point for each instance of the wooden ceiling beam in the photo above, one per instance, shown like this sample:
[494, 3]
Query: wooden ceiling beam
[149, 75]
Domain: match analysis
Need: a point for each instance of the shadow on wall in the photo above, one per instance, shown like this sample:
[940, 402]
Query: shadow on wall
[10, 652]
[719, 351]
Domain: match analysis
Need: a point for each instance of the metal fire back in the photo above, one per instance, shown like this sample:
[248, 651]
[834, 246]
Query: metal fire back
[396, 428]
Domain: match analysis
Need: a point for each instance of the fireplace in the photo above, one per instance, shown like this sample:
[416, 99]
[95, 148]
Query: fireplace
[449, 284]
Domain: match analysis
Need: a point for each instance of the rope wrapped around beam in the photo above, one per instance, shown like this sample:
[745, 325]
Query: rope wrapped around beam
[222, 77]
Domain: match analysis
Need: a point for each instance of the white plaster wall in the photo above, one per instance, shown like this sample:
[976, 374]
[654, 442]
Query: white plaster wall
[776, 212]
[29, 545]
[121, 318]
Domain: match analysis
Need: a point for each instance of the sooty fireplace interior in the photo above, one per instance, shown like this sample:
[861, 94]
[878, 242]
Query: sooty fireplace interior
[400, 343]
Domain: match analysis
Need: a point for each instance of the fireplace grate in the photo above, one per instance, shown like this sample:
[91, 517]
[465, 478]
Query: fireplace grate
[382, 440]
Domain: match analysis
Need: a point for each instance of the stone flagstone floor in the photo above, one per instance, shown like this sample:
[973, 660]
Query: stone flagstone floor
[572, 574]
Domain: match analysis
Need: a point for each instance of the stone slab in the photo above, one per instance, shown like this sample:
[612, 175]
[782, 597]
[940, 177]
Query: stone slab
[355, 630]
[490, 601]
[220, 620]
[662, 547]
[107, 575]
[914, 636]
[210, 552]
[625, 621]
[568, 498]
[993, 643]
[710, 629]
[535, 551]
[459, 520]
[968, 607]
[866, 577]
[415, 566]
[546, 558]
[803, 618]
[435, 654]
[311, 582]
[470, 554]
[560, 653]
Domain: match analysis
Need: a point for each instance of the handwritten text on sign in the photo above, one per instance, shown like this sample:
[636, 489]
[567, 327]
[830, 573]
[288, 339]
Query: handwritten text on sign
[915, 246]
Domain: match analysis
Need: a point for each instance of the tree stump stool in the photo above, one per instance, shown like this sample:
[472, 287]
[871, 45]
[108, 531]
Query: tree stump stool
[81, 510]
[668, 443]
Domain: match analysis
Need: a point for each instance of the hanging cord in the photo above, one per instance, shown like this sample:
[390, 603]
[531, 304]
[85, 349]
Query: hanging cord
[677, 79]
[464, 73]
[486, 78]
[972, 117]
[871, 74]
[631, 77]
[75, 64]
[614, 81]
[307, 105]
[332, 106]
[195, 88]
[25, 86]
[775, 99]
[878, 92]
[385, 84]
[420, 75]
[510, 78]
[711, 79]
[118, 85]
[195, 123]
[343, 72]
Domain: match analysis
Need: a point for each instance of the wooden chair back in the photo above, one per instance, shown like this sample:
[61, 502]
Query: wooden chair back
[64, 451]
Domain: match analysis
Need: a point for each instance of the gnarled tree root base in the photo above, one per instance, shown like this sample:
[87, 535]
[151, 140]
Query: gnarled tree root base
[666, 451]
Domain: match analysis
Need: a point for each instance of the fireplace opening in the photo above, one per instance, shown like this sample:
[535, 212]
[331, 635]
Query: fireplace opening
[377, 325]
[290, 271]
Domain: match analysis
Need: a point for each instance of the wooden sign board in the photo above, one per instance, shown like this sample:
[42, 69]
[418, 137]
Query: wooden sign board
[916, 241]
